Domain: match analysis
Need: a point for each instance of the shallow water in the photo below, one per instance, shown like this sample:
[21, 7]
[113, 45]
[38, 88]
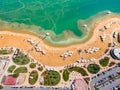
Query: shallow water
[54, 15]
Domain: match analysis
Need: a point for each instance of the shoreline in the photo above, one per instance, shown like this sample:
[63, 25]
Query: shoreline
[67, 39]
[52, 57]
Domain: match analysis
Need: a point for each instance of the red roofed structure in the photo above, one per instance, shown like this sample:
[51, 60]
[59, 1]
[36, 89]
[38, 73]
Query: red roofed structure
[9, 80]
[79, 84]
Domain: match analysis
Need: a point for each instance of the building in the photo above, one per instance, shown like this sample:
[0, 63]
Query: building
[79, 84]
[9, 80]
[115, 53]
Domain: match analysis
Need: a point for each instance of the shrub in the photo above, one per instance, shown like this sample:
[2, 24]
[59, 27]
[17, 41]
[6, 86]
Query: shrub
[21, 59]
[104, 62]
[11, 68]
[21, 70]
[111, 64]
[79, 70]
[6, 51]
[32, 65]
[15, 75]
[33, 77]
[93, 68]
[51, 78]
[66, 75]
[40, 68]
[69, 70]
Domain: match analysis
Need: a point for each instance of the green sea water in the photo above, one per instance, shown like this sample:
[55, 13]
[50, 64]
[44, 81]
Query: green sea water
[54, 15]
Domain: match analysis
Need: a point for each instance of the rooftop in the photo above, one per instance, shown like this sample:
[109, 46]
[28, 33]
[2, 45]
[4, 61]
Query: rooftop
[10, 80]
[80, 84]
[117, 52]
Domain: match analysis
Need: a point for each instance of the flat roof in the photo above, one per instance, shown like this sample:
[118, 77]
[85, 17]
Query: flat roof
[80, 84]
[117, 52]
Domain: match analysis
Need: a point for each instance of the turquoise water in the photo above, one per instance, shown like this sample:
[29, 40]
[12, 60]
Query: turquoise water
[55, 15]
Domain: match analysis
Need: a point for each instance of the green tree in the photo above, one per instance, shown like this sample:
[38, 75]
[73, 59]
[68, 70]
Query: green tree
[1, 86]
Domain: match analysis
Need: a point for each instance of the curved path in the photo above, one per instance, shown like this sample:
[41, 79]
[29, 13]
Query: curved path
[52, 57]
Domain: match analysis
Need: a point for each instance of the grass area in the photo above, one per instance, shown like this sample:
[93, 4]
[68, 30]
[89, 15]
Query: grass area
[66, 75]
[79, 70]
[66, 72]
[93, 68]
[15, 75]
[3, 51]
[33, 77]
[104, 62]
[51, 78]
[21, 59]
[11, 68]
[32, 65]
[21, 70]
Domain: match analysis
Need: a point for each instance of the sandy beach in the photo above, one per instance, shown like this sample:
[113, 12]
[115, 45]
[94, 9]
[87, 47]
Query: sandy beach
[52, 56]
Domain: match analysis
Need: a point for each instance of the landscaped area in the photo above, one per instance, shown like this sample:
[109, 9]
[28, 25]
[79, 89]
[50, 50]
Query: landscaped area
[3, 51]
[69, 70]
[32, 65]
[21, 70]
[79, 70]
[66, 75]
[21, 59]
[33, 77]
[40, 68]
[15, 75]
[93, 68]
[51, 78]
[104, 62]
[11, 68]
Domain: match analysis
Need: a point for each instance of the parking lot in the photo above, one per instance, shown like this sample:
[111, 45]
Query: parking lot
[107, 80]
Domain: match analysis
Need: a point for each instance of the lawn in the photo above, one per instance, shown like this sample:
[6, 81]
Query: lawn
[79, 70]
[15, 75]
[51, 78]
[93, 68]
[104, 62]
[66, 72]
[33, 77]
[32, 65]
[21, 70]
[66, 75]
[21, 59]
[11, 68]
[6, 51]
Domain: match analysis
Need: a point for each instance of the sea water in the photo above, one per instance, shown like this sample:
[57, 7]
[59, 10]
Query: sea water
[56, 16]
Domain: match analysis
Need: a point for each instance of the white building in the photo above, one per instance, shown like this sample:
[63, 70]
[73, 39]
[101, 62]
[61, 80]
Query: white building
[115, 53]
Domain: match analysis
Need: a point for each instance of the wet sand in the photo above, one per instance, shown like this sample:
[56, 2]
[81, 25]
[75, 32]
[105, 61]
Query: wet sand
[52, 57]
